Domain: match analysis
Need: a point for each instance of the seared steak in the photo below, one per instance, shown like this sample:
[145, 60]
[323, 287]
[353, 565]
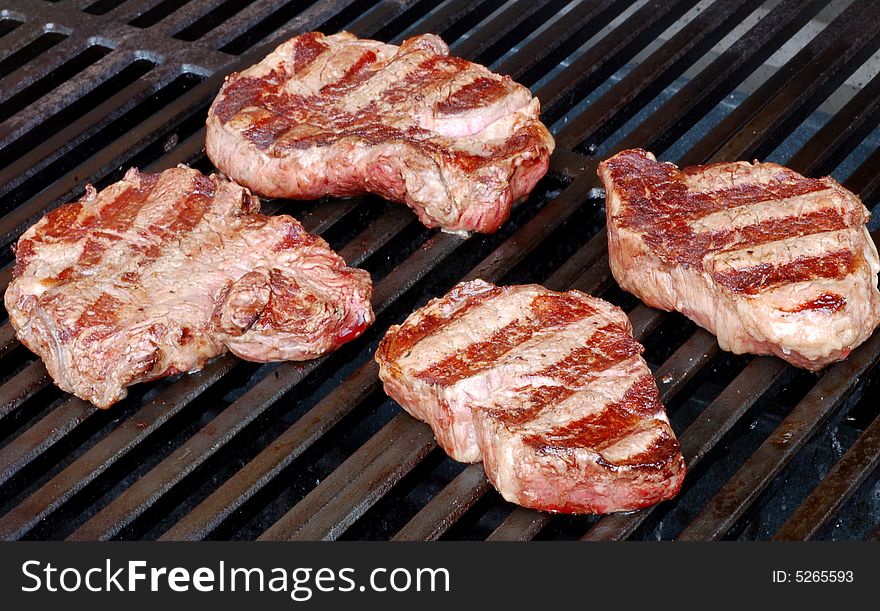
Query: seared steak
[158, 273]
[767, 260]
[340, 115]
[548, 389]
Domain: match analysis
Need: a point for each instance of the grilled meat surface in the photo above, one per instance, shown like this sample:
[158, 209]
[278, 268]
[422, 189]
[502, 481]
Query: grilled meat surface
[158, 273]
[343, 116]
[548, 389]
[764, 258]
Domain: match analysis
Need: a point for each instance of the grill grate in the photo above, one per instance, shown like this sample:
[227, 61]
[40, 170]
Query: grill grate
[315, 450]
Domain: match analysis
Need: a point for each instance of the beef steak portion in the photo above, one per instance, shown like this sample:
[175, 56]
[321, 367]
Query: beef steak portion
[548, 389]
[343, 116]
[158, 273]
[764, 258]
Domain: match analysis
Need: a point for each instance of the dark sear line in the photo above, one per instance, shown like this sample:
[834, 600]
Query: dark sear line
[752, 280]
[544, 316]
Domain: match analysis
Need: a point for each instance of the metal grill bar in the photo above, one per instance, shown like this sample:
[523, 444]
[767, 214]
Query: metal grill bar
[665, 64]
[836, 489]
[743, 489]
[830, 55]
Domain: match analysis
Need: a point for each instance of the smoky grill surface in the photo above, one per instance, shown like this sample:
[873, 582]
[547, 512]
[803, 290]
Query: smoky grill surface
[315, 450]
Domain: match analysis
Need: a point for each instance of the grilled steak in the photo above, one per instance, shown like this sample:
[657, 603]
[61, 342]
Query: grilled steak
[764, 258]
[340, 115]
[158, 273]
[548, 389]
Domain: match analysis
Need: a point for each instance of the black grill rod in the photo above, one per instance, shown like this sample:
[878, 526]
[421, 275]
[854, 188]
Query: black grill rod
[97, 118]
[23, 35]
[866, 179]
[667, 63]
[756, 40]
[42, 64]
[72, 412]
[8, 341]
[447, 506]
[132, 9]
[319, 517]
[440, 19]
[311, 17]
[21, 387]
[747, 484]
[609, 54]
[173, 23]
[703, 92]
[517, 18]
[832, 493]
[110, 449]
[383, 14]
[61, 94]
[581, 23]
[795, 90]
[843, 132]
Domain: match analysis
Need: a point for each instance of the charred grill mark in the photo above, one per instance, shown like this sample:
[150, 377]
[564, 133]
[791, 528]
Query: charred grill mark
[608, 346]
[771, 230]
[826, 302]
[353, 77]
[835, 265]
[244, 91]
[606, 427]
[60, 220]
[99, 320]
[117, 217]
[548, 311]
[306, 50]
[749, 194]
[24, 252]
[479, 93]
[266, 130]
[536, 399]
[425, 78]
[659, 455]
[398, 344]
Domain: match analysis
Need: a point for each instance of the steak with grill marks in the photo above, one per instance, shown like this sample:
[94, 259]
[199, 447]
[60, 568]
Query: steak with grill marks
[158, 273]
[548, 389]
[343, 116]
[769, 261]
